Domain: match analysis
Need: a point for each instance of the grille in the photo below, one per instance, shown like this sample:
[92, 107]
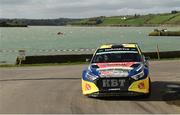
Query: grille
[113, 84]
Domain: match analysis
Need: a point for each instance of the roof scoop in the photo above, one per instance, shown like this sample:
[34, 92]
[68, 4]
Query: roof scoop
[117, 46]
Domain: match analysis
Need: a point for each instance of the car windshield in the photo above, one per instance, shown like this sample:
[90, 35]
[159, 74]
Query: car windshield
[116, 57]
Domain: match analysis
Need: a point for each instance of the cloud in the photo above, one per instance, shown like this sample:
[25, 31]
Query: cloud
[82, 8]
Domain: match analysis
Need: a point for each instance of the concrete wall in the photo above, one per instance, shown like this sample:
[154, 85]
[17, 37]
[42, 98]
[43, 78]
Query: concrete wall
[83, 57]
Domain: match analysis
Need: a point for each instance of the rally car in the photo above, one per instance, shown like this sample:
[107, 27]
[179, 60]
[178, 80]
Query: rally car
[117, 70]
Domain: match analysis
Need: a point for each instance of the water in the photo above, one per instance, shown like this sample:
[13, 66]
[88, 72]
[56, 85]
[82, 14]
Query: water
[39, 40]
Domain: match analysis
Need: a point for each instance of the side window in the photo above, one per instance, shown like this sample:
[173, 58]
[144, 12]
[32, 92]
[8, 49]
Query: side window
[98, 58]
[106, 58]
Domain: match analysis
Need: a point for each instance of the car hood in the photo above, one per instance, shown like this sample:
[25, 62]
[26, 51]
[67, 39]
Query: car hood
[122, 65]
[121, 69]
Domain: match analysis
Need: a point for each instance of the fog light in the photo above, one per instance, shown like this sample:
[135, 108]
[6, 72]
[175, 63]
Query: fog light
[88, 87]
[141, 85]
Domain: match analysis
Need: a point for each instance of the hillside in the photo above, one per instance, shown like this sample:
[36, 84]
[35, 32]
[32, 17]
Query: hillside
[136, 20]
[36, 22]
[171, 19]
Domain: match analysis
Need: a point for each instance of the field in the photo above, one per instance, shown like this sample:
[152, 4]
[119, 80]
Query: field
[136, 20]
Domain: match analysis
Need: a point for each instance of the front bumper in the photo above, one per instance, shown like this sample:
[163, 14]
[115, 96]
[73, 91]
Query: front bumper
[138, 87]
[114, 94]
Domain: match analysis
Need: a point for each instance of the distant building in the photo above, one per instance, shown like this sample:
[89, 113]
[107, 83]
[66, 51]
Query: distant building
[123, 18]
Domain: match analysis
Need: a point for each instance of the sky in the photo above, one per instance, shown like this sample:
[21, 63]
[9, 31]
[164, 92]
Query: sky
[49, 9]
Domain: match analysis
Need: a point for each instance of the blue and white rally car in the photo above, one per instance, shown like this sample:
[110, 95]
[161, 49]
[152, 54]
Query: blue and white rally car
[117, 70]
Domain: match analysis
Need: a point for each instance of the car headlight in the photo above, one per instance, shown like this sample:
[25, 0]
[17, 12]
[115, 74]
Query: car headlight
[139, 68]
[138, 76]
[91, 77]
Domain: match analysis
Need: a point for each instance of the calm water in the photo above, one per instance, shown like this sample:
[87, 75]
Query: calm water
[44, 39]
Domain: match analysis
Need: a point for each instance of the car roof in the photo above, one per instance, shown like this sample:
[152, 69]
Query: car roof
[125, 45]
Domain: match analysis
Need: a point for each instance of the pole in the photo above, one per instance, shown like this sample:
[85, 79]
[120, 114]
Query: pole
[158, 54]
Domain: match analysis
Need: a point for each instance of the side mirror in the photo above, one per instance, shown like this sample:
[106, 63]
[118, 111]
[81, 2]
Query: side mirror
[147, 58]
[88, 60]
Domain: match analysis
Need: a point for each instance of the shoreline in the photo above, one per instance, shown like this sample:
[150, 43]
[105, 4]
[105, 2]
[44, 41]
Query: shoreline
[123, 26]
[91, 26]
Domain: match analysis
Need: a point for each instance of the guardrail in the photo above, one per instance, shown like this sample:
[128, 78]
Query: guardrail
[82, 57]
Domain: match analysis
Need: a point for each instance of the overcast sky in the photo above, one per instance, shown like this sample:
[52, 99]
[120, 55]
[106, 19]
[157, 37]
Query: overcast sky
[82, 8]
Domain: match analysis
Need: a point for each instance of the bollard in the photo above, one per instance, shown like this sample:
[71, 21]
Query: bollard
[21, 56]
[158, 54]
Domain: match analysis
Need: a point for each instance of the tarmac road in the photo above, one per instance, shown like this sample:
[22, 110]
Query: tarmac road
[57, 89]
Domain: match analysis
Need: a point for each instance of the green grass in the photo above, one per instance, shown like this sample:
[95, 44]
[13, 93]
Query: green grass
[118, 21]
[161, 19]
[111, 21]
[150, 19]
[135, 21]
[175, 20]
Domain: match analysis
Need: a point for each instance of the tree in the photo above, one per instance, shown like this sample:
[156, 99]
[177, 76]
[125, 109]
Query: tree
[174, 11]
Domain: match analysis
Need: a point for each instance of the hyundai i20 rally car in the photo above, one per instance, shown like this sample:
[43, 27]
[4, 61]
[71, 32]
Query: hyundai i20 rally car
[117, 70]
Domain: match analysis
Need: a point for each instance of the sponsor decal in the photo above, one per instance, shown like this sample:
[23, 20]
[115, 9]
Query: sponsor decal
[118, 49]
[114, 73]
[113, 82]
[114, 89]
[123, 64]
